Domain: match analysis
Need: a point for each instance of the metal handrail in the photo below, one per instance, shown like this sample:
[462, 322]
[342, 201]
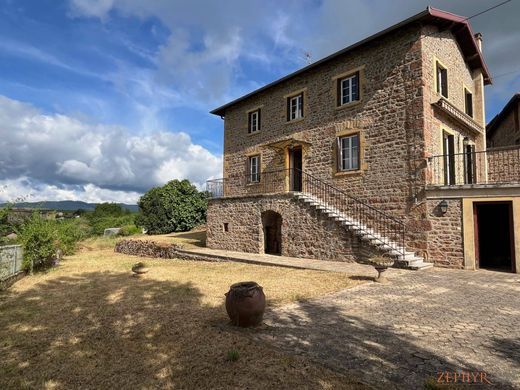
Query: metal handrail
[382, 227]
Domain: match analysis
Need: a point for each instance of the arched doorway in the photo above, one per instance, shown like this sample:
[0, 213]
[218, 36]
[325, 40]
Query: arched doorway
[272, 226]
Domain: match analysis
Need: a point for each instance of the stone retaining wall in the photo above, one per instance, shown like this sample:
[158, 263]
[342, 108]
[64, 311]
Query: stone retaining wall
[148, 248]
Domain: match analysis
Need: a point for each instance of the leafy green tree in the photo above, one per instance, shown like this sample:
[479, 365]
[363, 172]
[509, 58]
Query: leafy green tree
[175, 207]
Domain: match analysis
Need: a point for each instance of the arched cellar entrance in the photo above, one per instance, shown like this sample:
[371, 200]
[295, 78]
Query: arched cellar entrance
[272, 226]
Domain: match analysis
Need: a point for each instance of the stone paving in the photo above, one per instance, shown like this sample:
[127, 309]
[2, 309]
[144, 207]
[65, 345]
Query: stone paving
[359, 270]
[397, 335]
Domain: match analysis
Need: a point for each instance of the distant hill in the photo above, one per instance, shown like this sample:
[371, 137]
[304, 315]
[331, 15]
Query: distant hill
[68, 205]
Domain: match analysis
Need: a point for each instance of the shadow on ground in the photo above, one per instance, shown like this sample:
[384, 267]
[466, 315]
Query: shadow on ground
[110, 330]
[384, 353]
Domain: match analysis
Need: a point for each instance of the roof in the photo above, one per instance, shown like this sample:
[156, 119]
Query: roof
[495, 122]
[458, 24]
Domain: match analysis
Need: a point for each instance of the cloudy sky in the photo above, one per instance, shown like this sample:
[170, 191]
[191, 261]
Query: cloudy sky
[102, 99]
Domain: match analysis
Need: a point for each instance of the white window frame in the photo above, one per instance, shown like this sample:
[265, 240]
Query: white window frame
[349, 152]
[253, 121]
[348, 94]
[296, 107]
[254, 169]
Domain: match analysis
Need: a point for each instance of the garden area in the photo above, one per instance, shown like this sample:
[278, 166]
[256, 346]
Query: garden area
[89, 323]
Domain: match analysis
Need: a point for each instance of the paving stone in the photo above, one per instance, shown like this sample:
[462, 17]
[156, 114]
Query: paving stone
[459, 320]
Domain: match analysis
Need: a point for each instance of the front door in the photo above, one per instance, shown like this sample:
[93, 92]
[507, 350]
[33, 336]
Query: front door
[296, 165]
[494, 237]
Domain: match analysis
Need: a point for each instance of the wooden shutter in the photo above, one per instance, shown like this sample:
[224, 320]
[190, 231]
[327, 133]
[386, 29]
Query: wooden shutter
[249, 122]
[288, 109]
[338, 154]
[358, 82]
[338, 92]
[258, 120]
[444, 81]
[303, 104]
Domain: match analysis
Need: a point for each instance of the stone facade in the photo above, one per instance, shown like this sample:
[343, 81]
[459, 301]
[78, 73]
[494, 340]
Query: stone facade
[304, 232]
[399, 127]
[445, 239]
[504, 130]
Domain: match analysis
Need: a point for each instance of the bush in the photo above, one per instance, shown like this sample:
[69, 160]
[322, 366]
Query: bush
[109, 215]
[176, 207]
[39, 238]
[129, 230]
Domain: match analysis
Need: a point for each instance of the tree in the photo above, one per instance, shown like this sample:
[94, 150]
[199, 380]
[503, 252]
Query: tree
[175, 207]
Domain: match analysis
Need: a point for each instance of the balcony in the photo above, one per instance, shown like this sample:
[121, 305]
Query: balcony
[493, 166]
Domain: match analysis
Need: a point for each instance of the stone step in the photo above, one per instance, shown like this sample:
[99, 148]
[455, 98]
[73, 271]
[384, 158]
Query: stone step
[409, 260]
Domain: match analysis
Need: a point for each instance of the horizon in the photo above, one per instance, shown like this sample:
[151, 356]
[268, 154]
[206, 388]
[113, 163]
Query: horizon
[122, 104]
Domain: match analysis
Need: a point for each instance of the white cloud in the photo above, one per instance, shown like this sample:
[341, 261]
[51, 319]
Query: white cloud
[60, 156]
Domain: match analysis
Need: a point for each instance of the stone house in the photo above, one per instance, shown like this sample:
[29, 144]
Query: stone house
[504, 129]
[379, 148]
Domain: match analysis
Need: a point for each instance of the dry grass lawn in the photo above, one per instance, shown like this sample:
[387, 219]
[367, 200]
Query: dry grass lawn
[90, 324]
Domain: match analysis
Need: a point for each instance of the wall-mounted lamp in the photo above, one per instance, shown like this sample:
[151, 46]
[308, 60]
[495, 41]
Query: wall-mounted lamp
[443, 207]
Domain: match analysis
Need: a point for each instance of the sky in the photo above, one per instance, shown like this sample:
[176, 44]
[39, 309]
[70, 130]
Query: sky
[100, 100]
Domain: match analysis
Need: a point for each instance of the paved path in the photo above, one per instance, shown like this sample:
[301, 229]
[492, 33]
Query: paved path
[399, 334]
[357, 269]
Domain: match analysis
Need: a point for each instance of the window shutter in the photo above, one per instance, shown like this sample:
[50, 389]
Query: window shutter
[338, 154]
[249, 122]
[288, 109]
[358, 82]
[258, 125]
[302, 104]
[444, 83]
[338, 92]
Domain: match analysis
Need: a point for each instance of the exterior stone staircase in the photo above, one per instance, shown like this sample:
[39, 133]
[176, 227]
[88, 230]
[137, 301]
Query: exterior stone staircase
[409, 260]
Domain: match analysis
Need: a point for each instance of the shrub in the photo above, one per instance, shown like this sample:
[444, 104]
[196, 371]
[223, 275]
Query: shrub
[109, 215]
[129, 230]
[39, 238]
[177, 206]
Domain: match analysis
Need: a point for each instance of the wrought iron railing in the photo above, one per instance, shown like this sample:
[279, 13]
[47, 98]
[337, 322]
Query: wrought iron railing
[380, 226]
[492, 166]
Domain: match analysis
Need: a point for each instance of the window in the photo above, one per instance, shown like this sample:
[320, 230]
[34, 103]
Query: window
[254, 169]
[254, 121]
[468, 102]
[348, 89]
[442, 80]
[295, 107]
[225, 227]
[448, 150]
[348, 153]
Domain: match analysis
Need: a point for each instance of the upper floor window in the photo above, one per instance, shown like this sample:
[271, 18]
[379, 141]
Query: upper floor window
[295, 107]
[254, 121]
[254, 169]
[348, 153]
[468, 102]
[348, 89]
[442, 79]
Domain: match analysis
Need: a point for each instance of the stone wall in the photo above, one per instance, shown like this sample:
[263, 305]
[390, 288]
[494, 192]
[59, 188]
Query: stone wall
[148, 248]
[508, 131]
[445, 239]
[305, 232]
[503, 165]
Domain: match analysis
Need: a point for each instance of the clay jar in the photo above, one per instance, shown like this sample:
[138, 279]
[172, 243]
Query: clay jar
[245, 304]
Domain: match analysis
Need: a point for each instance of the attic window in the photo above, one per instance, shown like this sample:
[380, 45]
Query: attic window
[442, 79]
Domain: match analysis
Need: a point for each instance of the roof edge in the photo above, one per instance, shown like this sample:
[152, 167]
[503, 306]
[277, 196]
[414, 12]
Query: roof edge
[220, 111]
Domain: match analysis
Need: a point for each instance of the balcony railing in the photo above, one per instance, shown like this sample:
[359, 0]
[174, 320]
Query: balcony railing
[492, 166]
[383, 228]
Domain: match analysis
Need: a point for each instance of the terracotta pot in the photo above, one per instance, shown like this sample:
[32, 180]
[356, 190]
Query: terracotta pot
[245, 304]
